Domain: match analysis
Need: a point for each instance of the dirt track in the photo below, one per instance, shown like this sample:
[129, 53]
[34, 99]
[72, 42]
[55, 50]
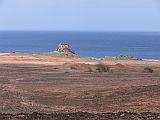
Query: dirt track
[52, 86]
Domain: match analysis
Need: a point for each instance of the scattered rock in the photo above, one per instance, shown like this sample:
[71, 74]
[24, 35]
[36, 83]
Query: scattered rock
[81, 116]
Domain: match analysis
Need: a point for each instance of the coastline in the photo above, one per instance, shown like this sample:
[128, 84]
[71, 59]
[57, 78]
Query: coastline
[4, 53]
[53, 58]
[150, 60]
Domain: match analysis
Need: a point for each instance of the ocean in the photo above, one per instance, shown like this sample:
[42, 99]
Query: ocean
[144, 45]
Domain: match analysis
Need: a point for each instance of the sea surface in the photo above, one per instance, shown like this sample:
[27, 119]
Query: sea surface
[144, 45]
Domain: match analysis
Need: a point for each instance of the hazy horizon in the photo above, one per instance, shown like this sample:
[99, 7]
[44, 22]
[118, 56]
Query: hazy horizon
[80, 31]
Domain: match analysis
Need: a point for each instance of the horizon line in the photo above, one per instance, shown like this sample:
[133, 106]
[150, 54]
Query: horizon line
[79, 31]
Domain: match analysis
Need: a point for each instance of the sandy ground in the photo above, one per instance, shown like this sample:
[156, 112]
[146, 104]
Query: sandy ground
[49, 83]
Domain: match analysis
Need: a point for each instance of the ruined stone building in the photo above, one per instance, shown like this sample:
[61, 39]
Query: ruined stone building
[63, 46]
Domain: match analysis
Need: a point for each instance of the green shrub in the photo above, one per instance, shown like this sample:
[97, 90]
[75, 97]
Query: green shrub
[148, 70]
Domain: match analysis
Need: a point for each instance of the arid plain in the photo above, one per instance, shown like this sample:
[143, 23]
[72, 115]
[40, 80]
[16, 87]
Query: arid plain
[47, 84]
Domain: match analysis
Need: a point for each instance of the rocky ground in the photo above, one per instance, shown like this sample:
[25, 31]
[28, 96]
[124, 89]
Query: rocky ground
[82, 116]
[78, 88]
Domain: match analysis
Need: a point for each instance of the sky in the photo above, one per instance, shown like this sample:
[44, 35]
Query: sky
[80, 15]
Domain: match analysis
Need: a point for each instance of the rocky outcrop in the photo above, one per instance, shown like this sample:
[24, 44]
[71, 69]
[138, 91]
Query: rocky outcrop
[63, 50]
[121, 57]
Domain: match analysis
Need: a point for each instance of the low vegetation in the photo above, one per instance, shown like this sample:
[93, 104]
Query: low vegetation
[122, 57]
[148, 70]
[89, 68]
[126, 57]
[102, 68]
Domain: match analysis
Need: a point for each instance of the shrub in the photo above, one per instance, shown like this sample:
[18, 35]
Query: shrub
[89, 70]
[102, 68]
[81, 67]
[73, 67]
[119, 65]
[148, 70]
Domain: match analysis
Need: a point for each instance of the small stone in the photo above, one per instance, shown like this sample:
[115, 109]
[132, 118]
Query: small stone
[20, 116]
[122, 115]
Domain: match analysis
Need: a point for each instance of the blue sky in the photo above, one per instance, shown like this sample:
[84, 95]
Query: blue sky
[80, 15]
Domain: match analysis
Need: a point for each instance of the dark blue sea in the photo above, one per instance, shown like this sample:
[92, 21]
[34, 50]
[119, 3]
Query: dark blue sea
[140, 44]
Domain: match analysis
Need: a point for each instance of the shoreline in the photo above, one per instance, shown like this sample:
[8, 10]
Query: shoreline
[4, 53]
[151, 60]
[55, 53]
